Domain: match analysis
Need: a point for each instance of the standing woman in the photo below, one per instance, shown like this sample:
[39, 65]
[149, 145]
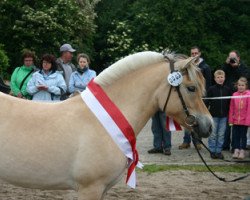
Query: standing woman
[82, 76]
[47, 84]
[22, 75]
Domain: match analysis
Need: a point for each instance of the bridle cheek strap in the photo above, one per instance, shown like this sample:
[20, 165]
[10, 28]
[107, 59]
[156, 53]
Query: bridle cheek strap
[190, 119]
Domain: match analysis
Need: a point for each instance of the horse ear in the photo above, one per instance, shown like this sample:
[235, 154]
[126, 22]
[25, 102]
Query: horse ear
[184, 64]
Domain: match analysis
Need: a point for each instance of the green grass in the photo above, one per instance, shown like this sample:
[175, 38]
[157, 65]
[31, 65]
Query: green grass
[239, 168]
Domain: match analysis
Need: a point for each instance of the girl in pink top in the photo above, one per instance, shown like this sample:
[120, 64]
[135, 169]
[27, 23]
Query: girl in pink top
[239, 117]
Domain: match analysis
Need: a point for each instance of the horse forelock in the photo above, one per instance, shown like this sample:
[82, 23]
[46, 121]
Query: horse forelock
[195, 75]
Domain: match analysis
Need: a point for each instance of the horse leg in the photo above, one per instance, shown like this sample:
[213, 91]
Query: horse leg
[92, 192]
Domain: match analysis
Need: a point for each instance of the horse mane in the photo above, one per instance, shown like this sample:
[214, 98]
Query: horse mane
[132, 63]
[141, 59]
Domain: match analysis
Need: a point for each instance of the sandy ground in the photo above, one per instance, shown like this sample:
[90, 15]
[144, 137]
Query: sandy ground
[157, 186]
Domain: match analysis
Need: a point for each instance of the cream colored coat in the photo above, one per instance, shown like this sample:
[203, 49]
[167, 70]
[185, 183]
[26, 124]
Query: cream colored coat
[63, 146]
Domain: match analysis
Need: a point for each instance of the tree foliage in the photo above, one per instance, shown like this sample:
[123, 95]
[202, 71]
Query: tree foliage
[216, 26]
[4, 62]
[43, 26]
[124, 27]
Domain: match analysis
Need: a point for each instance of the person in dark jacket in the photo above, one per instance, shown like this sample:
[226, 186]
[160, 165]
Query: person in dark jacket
[206, 72]
[203, 66]
[234, 68]
[219, 110]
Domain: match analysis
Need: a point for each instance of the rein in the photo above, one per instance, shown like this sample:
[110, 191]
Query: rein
[192, 122]
[209, 169]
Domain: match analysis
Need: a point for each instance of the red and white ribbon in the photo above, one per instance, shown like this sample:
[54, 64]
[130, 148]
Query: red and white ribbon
[172, 125]
[115, 124]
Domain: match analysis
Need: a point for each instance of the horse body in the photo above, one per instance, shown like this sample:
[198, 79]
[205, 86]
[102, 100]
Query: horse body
[51, 157]
[63, 146]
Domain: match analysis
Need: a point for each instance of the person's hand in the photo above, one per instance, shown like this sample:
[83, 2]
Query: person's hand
[19, 95]
[42, 87]
[233, 61]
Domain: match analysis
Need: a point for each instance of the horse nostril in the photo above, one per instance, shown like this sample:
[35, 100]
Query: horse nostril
[210, 129]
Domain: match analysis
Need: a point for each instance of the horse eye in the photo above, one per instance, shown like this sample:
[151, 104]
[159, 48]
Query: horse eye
[191, 88]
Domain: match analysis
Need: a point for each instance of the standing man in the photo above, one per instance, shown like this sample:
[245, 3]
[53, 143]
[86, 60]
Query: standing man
[65, 65]
[234, 69]
[204, 67]
[206, 72]
[162, 137]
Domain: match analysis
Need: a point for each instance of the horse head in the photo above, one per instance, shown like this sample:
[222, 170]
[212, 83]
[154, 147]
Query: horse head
[184, 101]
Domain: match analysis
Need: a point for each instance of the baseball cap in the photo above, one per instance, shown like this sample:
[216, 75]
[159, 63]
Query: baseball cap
[67, 47]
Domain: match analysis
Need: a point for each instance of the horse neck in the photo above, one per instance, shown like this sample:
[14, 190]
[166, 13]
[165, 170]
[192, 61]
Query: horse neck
[135, 94]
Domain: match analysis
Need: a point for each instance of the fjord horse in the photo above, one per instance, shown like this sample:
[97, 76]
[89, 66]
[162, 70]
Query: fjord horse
[63, 146]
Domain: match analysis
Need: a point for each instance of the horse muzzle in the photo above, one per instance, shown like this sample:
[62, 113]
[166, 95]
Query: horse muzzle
[201, 125]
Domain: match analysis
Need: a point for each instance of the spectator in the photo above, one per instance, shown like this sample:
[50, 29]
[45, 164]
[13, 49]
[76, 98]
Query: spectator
[162, 137]
[203, 66]
[47, 84]
[81, 77]
[234, 68]
[206, 72]
[239, 118]
[65, 65]
[22, 75]
[219, 110]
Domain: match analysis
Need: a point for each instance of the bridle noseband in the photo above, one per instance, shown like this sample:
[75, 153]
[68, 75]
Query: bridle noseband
[190, 120]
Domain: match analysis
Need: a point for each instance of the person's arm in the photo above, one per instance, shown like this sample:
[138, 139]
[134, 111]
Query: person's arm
[247, 123]
[208, 76]
[24, 87]
[71, 84]
[224, 67]
[207, 101]
[231, 110]
[61, 85]
[13, 85]
[93, 74]
[244, 71]
[31, 86]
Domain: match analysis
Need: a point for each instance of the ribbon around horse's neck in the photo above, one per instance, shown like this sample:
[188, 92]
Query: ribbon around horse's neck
[115, 123]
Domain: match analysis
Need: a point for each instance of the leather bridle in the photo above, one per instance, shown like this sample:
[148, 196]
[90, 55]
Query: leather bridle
[190, 120]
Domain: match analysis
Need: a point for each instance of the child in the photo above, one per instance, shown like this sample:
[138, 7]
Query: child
[239, 117]
[219, 111]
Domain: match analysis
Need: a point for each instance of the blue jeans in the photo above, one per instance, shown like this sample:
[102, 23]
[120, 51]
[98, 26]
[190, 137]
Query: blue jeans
[239, 137]
[187, 137]
[227, 137]
[216, 139]
[162, 137]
